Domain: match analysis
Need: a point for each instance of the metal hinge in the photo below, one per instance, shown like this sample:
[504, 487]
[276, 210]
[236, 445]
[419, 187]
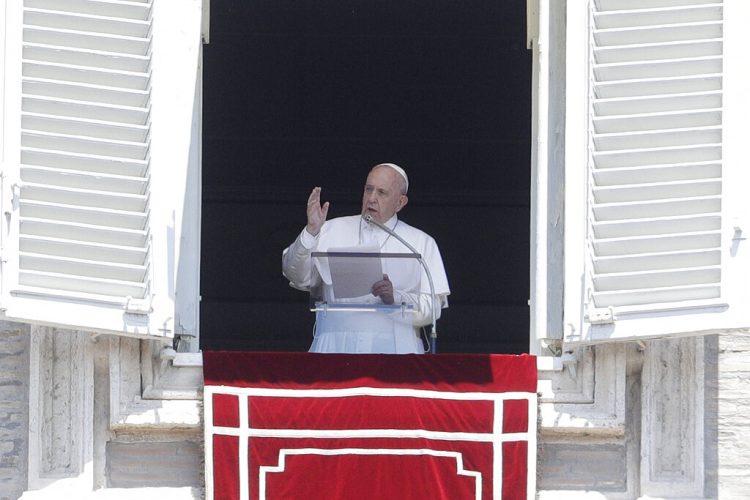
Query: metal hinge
[600, 316]
[138, 306]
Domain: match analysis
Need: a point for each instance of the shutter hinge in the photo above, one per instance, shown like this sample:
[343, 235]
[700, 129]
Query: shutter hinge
[600, 316]
[15, 200]
[138, 306]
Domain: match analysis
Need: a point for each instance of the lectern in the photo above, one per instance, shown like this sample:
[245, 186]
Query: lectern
[341, 298]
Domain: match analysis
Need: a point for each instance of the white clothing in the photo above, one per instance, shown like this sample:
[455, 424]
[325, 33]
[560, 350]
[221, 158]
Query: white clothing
[370, 332]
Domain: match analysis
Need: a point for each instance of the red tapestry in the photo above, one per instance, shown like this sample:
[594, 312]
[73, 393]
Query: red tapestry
[331, 426]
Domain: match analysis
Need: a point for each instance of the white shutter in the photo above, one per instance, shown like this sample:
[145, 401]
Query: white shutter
[656, 244]
[87, 245]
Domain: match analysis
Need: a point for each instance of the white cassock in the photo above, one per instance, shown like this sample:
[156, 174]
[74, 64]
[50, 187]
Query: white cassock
[371, 331]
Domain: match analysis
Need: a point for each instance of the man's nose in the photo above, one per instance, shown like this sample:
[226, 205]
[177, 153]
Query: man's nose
[372, 197]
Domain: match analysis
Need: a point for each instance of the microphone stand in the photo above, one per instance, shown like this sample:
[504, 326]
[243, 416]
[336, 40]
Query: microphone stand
[433, 335]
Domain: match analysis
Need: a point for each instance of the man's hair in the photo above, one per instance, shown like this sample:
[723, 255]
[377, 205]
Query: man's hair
[404, 180]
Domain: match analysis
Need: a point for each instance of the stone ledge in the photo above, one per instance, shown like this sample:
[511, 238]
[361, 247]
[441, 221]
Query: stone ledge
[159, 415]
[68, 491]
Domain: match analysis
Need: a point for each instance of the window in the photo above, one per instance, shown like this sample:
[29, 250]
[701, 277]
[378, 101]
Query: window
[653, 168]
[101, 149]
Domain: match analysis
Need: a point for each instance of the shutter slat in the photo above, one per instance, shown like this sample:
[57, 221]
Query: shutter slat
[657, 121]
[84, 268]
[657, 173]
[657, 279]
[86, 57]
[647, 156]
[652, 51]
[67, 283]
[648, 297]
[83, 22]
[97, 216]
[86, 92]
[657, 208]
[657, 191]
[657, 138]
[89, 145]
[658, 103]
[655, 16]
[42, 105]
[658, 34]
[84, 162]
[125, 9]
[658, 69]
[93, 251]
[84, 127]
[86, 40]
[656, 226]
[85, 74]
[655, 261]
[605, 5]
[84, 232]
[654, 244]
[643, 87]
[84, 197]
[86, 181]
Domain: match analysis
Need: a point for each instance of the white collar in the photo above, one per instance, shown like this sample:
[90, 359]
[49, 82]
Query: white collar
[373, 229]
[391, 223]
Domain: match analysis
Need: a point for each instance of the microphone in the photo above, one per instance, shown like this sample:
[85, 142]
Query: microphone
[433, 335]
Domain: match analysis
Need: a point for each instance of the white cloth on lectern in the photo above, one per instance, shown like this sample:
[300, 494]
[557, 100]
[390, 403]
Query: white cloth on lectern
[370, 332]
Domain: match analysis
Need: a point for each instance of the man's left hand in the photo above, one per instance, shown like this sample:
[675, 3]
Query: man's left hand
[384, 290]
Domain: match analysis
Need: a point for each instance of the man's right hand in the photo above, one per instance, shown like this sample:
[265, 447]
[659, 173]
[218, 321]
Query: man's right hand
[316, 214]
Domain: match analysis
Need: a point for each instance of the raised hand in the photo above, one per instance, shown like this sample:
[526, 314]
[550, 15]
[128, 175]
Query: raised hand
[316, 214]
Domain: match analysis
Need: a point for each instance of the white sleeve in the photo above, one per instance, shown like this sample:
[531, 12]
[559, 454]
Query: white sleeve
[422, 305]
[296, 264]
[422, 301]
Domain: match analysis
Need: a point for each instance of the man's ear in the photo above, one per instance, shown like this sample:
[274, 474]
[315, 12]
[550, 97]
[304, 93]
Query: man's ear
[402, 201]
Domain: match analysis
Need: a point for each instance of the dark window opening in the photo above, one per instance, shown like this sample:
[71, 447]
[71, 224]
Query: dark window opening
[306, 93]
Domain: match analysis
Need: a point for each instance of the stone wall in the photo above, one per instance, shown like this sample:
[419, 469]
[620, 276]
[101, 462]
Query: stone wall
[74, 421]
[172, 463]
[646, 424]
[732, 407]
[14, 409]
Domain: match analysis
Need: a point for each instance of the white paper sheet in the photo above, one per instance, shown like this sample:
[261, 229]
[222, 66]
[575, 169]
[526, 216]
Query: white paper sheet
[354, 276]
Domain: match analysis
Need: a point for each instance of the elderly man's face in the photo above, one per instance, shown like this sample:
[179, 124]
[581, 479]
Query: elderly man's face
[382, 197]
